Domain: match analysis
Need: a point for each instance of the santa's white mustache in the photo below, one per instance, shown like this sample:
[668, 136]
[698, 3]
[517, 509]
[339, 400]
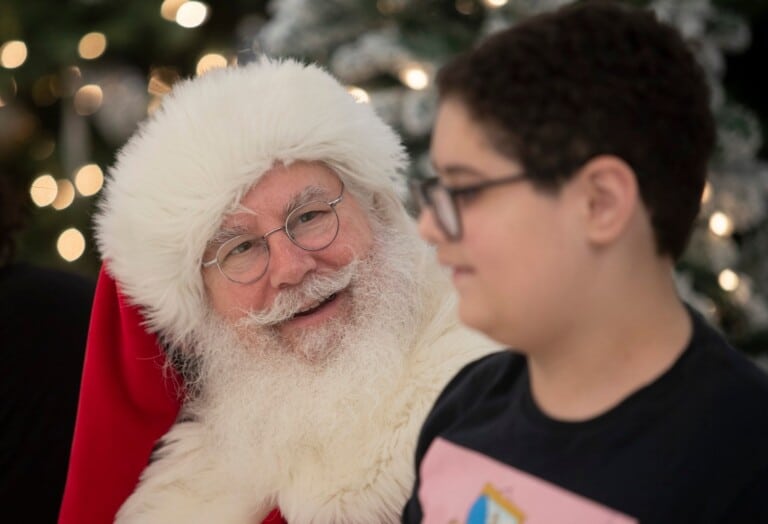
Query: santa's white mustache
[316, 288]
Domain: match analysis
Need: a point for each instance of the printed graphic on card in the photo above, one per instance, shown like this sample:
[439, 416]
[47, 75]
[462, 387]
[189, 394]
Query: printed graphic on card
[462, 486]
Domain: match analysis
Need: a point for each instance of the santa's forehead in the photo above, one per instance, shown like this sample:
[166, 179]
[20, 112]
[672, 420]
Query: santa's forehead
[279, 192]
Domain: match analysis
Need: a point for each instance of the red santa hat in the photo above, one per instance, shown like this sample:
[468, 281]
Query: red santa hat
[207, 145]
[166, 195]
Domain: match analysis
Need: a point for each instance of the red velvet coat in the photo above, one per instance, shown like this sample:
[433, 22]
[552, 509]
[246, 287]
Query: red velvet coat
[126, 404]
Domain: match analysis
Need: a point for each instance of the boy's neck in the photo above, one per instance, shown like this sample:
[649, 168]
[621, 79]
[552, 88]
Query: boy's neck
[617, 349]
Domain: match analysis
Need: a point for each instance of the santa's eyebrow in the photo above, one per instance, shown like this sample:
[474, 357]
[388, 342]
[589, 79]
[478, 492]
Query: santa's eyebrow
[226, 233]
[306, 195]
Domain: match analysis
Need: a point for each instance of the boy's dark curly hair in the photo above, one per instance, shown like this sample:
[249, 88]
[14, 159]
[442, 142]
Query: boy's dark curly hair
[596, 78]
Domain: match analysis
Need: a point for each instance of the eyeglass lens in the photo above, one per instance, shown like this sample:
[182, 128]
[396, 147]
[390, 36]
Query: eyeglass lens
[445, 209]
[312, 226]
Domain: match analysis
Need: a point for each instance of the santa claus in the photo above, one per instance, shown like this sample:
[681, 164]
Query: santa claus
[256, 222]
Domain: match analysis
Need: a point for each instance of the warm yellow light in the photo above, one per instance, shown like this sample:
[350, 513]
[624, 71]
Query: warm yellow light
[8, 90]
[43, 190]
[71, 244]
[210, 61]
[169, 9]
[728, 280]
[13, 54]
[360, 95]
[414, 77]
[465, 7]
[89, 180]
[389, 7]
[493, 4]
[707, 193]
[154, 104]
[64, 196]
[92, 45]
[44, 91]
[720, 224]
[88, 99]
[43, 149]
[191, 14]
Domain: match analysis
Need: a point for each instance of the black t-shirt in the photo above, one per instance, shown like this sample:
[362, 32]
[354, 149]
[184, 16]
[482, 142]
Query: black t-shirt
[690, 447]
[43, 327]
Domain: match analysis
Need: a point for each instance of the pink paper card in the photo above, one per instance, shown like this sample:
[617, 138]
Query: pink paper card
[462, 486]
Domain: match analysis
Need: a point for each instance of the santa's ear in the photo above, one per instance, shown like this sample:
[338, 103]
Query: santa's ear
[611, 196]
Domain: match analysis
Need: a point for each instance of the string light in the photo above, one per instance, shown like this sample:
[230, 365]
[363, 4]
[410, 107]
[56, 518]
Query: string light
[65, 195]
[210, 61]
[169, 8]
[89, 180]
[70, 244]
[88, 99]
[720, 224]
[191, 14]
[13, 54]
[360, 95]
[44, 92]
[728, 280]
[43, 190]
[43, 149]
[465, 7]
[415, 77]
[67, 84]
[389, 7]
[154, 104]
[92, 45]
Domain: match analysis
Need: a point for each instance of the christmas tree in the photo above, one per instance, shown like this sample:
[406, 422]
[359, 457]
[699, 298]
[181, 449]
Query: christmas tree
[388, 52]
[75, 82]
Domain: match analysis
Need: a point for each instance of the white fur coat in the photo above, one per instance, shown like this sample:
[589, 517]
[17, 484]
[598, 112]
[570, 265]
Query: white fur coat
[363, 474]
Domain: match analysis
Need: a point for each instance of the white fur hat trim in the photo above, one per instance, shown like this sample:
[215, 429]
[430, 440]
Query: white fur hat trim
[209, 142]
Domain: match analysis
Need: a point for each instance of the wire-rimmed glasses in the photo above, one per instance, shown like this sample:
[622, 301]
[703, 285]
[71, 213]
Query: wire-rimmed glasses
[312, 226]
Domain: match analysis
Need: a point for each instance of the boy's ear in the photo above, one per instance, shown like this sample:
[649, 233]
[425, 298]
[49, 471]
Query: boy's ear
[610, 195]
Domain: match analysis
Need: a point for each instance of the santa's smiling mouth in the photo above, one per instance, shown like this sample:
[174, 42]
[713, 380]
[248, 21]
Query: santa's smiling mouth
[316, 308]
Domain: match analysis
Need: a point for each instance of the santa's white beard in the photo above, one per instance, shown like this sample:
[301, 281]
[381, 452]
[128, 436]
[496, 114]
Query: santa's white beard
[272, 404]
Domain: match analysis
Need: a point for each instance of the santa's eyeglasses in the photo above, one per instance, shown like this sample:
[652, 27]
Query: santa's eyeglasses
[443, 201]
[312, 226]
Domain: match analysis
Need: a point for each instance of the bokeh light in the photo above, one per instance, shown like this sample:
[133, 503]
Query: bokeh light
[414, 77]
[169, 8]
[89, 179]
[191, 14]
[43, 190]
[92, 45]
[71, 244]
[88, 99]
[720, 224]
[728, 280]
[210, 61]
[360, 95]
[13, 54]
[65, 195]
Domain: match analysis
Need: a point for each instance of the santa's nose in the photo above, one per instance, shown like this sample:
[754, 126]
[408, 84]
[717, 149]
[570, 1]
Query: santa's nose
[288, 263]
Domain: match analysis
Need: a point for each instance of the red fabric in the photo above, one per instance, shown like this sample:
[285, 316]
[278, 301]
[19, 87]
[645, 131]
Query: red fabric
[126, 404]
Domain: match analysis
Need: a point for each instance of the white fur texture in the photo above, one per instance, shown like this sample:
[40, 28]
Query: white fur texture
[167, 194]
[209, 142]
[360, 475]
